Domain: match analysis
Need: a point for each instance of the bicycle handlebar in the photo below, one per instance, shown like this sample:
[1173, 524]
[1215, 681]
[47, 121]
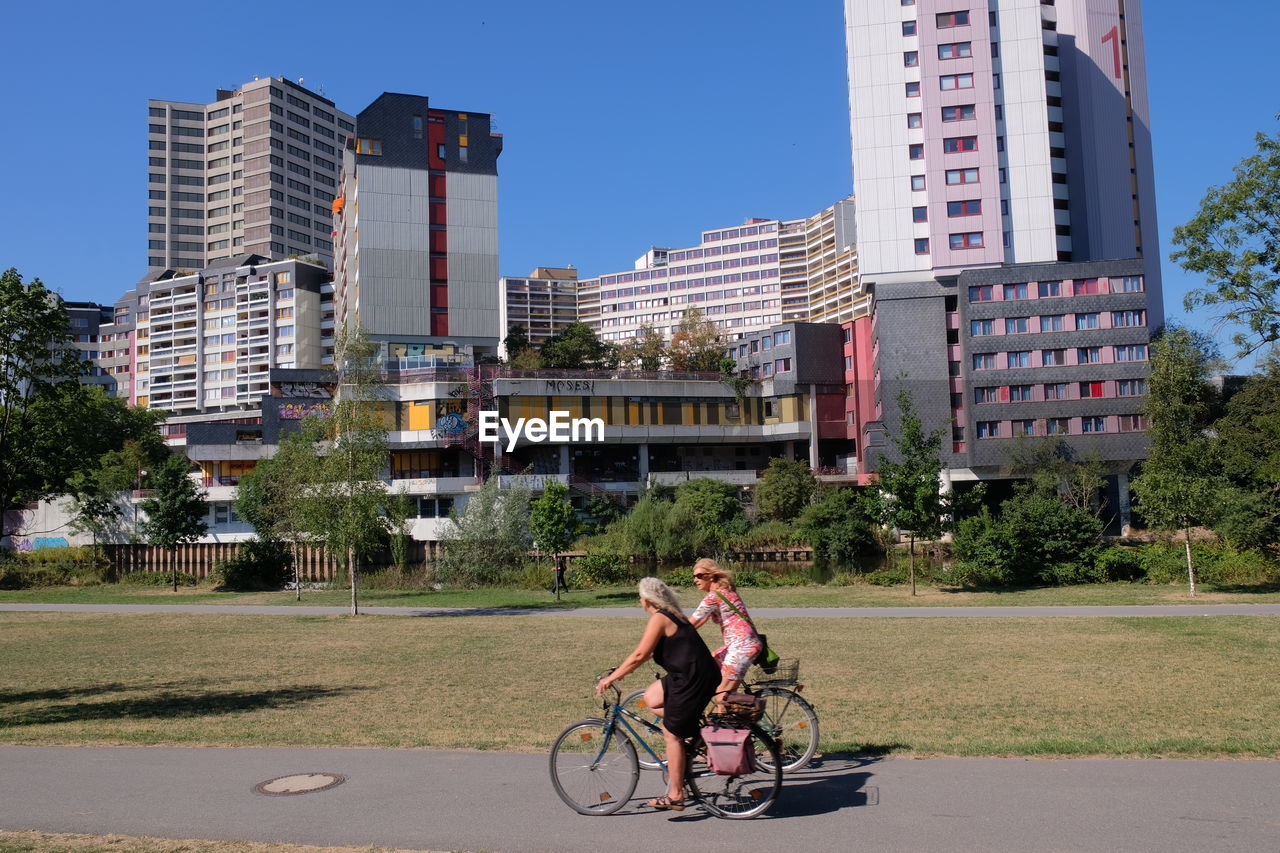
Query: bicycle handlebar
[617, 691]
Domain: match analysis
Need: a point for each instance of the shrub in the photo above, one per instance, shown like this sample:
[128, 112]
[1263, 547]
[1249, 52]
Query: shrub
[162, 577]
[982, 551]
[765, 536]
[1166, 562]
[886, 577]
[601, 568]
[785, 489]
[489, 542]
[257, 564]
[49, 567]
[843, 579]
[838, 527]
[1120, 564]
[1036, 539]
[678, 577]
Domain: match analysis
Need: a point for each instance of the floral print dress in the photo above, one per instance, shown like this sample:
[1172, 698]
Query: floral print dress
[741, 642]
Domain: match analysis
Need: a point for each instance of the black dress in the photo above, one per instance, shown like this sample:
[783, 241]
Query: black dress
[691, 680]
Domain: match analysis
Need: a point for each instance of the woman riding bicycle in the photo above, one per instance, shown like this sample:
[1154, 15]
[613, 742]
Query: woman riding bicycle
[681, 695]
[724, 606]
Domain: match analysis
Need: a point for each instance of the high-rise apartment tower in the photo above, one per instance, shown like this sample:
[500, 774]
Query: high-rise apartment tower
[254, 172]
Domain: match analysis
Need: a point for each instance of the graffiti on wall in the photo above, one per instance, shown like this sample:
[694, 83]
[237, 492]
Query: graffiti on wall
[22, 543]
[298, 411]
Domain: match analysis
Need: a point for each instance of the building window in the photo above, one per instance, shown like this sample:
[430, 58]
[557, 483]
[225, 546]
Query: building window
[917, 182]
[957, 144]
[1090, 389]
[1056, 426]
[911, 59]
[1128, 284]
[1018, 359]
[1085, 287]
[984, 361]
[1089, 355]
[915, 151]
[981, 293]
[1132, 423]
[1093, 424]
[961, 176]
[965, 208]
[920, 214]
[1086, 321]
[908, 28]
[1014, 291]
[913, 90]
[978, 328]
[369, 146]
[968, 240]
[1019, 393]
[1053, 323]
[945, 20]
[1131, 387]
[1128, 318]
[956, 50]
[915, 120]
[1055, 391]
[988, 429]
[1046, 289]
[1134, 352]
[947, 82]
[922, 245]
[986, 395]
[1015, 326]
[964, 112]
[1024, 427]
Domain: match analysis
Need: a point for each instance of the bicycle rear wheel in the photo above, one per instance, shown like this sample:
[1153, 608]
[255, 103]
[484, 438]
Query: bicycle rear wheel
[739, 797]
[594, 770]
[793, 723]
[655, 740]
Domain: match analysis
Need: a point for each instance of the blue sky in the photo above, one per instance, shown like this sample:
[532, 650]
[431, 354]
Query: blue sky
[626, 125]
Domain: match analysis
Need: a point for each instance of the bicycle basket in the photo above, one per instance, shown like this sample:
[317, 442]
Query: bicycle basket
[743, 706]
[787, 672]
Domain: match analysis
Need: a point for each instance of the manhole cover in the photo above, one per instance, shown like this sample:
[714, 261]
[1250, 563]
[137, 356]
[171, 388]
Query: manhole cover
[299, 783]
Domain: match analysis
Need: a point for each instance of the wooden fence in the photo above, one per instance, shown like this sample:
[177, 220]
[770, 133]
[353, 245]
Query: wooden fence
[314, 563]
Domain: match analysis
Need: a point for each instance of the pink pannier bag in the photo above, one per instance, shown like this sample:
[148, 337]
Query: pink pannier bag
[730, 751]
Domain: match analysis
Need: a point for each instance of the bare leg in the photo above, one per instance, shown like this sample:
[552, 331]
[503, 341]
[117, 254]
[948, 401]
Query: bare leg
[675, 765]
[654, 698]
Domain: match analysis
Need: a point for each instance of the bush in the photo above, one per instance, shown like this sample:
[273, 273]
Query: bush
[162, 577]
[1166, 562]
[1120, 564]
[887, 577]
[678, 577]
[1036, 539]
[601, 568]
[785, 489]
[258, 564]
[843, 579]
[838, 527]
[765, 536]
[50, 567]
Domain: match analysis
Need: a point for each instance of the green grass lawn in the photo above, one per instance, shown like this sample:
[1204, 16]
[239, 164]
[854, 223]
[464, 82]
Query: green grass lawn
[624, 596]
[1143, 686]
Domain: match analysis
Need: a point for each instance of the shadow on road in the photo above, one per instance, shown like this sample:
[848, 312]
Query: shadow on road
[166, 701]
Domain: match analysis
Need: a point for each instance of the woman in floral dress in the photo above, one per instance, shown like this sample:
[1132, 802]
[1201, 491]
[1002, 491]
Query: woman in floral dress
[724, 606]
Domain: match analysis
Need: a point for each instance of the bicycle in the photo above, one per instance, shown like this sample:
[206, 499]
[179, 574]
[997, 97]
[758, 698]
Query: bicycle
[595, 767]
[788, 718]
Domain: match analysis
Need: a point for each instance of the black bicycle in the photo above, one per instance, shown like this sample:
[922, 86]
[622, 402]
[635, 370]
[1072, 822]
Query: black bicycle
[595, 767]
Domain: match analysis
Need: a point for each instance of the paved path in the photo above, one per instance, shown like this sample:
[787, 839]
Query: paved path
[494, 801]
[636, 613]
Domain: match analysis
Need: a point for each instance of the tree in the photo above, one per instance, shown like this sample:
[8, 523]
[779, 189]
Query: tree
[838, 526]
[1180, 484]
[1052, 468]
[647, 350]
[176, 510]
[516, 342]
[578, 348]
[695, 346]
[344, 503]
[489, 538]
[908, 487]
[785, 489]
[1234, 241]
[1248, 446]
[554, 523]
[38, 367]
[273, 497]
[98, 495]
[709, 512]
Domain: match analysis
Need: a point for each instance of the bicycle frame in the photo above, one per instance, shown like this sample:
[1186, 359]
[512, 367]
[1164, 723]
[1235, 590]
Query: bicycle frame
[618, 714]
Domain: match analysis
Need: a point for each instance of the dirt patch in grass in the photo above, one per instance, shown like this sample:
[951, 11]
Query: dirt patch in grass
[1177, 686]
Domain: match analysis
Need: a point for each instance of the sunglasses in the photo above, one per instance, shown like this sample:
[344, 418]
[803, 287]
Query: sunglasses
[701, 577]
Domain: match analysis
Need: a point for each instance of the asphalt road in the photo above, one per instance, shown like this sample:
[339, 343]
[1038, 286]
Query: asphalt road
[942, 612]
[504, 802]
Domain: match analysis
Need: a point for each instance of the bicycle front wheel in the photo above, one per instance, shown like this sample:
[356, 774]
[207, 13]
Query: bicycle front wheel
[739, 797]
[653, 738]
[793, 723]
[594, 770]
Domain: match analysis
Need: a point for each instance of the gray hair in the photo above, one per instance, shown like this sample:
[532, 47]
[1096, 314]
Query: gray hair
[661, 596]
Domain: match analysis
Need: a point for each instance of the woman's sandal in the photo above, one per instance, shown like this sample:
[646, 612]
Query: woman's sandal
[660, 803]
